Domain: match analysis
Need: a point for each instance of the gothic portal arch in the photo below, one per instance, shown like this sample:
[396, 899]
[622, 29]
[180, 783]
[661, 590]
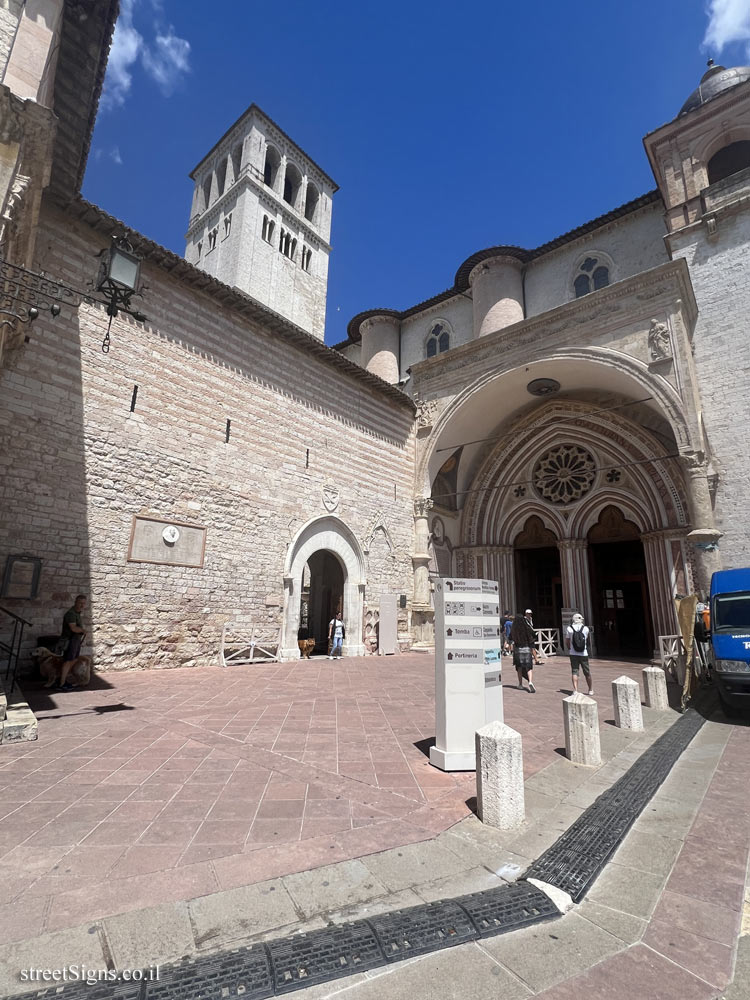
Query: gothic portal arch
[324, 534]
[560, 470]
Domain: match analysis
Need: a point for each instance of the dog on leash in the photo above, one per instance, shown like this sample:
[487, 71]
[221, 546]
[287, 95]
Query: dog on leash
[50, 667]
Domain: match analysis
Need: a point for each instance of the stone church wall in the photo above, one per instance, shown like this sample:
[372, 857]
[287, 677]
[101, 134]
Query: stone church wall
[718, 271]
[634, 244]
[80, 464]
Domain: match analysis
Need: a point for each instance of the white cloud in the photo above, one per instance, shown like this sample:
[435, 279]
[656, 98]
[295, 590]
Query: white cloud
[167, 60]
[729, 21]
[165, 57]
[113, 153]
[126, 46]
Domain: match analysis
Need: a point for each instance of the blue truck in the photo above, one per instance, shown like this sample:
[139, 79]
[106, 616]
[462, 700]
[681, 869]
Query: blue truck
[730, 637]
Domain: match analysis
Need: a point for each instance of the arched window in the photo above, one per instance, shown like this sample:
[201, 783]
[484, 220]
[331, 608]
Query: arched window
[593, 273]
[236, 161]
[207, 190]
[729, 160]
[221, 177]
[311, 201]
[292, 184]
[439, 340]
[271, 166]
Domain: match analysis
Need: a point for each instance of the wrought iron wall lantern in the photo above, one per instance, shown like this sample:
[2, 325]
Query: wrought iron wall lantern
[118, 282]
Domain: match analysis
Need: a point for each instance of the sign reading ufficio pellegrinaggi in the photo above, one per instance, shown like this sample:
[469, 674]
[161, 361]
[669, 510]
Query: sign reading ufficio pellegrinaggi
[468, 648]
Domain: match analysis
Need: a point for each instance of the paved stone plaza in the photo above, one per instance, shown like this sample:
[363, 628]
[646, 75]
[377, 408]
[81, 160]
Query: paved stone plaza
[165, 786]
[181, 813]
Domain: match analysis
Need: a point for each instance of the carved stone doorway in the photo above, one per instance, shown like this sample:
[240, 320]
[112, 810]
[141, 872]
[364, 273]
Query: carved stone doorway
[322, 597]
[309, 554]
[619, 585]
[538, 575]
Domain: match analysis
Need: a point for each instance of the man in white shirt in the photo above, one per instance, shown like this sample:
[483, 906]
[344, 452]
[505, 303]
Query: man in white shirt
[335, 637]
[577, 639]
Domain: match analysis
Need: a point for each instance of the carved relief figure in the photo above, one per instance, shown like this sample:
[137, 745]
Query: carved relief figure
[659, 345]
[426, 412]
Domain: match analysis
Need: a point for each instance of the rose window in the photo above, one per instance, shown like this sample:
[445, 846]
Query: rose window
[564, 473]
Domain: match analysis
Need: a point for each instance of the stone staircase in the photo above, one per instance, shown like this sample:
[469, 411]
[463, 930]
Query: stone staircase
[17, 721]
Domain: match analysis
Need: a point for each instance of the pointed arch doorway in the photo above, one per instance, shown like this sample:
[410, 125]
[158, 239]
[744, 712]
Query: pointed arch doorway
[538, 574]
[619, 585]
[314, 546]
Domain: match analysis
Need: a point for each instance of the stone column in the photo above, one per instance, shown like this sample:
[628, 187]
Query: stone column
[581, 720]
[576, 581]
[500, 799]
[289, 647]
[421, 610]
[657, 550]
[497, 294]
[626, 696]
[655, 688]
[704, 536]
[421, 558]
[506, 578]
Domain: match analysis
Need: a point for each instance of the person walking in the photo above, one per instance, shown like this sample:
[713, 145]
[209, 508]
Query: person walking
[336, 633]
[507, 625]
[577, 639]
[523, 637]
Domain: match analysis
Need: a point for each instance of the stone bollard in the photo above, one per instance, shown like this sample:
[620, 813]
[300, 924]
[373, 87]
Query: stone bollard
[581, 718]
[626, 696]
[500, 799]
[655, 688]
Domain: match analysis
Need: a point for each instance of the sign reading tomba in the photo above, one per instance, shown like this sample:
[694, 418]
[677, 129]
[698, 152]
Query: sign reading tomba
[467, 668]
[173, 543]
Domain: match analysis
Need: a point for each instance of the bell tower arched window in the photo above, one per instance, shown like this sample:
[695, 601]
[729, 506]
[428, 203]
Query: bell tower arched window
[439, 340]
[729, 160]
[593, 274]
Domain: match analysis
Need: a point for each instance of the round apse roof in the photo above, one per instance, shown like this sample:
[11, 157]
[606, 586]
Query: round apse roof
[715, 81]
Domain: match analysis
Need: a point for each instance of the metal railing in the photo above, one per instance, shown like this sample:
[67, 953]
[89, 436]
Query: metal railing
[12, 648]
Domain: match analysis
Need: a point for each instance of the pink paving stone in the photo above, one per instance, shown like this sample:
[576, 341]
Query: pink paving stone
[20, 922]
[708, 959]
[144, 858]
[167, 833]
[638, 973]
[274, 831]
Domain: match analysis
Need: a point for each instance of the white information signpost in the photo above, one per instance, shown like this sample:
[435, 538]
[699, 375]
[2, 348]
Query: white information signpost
[468, 659]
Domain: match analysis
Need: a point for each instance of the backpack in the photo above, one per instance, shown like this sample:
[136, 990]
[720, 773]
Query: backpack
[578, 640]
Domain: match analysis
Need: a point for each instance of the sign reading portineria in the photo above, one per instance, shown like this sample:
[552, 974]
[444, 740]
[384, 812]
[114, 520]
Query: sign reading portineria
[468, 648]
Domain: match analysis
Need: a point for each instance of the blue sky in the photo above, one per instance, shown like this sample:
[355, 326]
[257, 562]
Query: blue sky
[449, 127]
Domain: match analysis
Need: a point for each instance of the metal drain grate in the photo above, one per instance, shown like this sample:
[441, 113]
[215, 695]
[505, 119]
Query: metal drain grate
[576, 858]
[421, 929]
[244, 973]
[497, 911]
[323, 955]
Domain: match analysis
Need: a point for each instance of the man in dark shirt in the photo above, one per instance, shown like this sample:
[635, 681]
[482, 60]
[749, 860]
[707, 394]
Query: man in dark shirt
[73, 635]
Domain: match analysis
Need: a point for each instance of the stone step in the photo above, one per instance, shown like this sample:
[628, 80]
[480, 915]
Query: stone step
[19, 723]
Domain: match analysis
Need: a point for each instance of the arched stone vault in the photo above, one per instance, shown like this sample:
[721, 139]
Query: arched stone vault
[495, 396]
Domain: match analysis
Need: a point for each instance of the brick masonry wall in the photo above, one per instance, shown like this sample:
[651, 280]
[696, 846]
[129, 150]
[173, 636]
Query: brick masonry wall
[719, 273]
[78, 464]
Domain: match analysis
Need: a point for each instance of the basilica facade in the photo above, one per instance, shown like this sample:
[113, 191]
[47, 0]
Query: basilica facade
[566, 419]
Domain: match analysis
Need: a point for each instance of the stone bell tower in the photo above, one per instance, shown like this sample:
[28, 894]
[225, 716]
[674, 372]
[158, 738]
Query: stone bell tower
[261, 220]
[701, 162]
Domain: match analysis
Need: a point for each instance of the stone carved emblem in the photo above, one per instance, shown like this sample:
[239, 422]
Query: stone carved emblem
[426, 412]
[331, 497]
[659, 343]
